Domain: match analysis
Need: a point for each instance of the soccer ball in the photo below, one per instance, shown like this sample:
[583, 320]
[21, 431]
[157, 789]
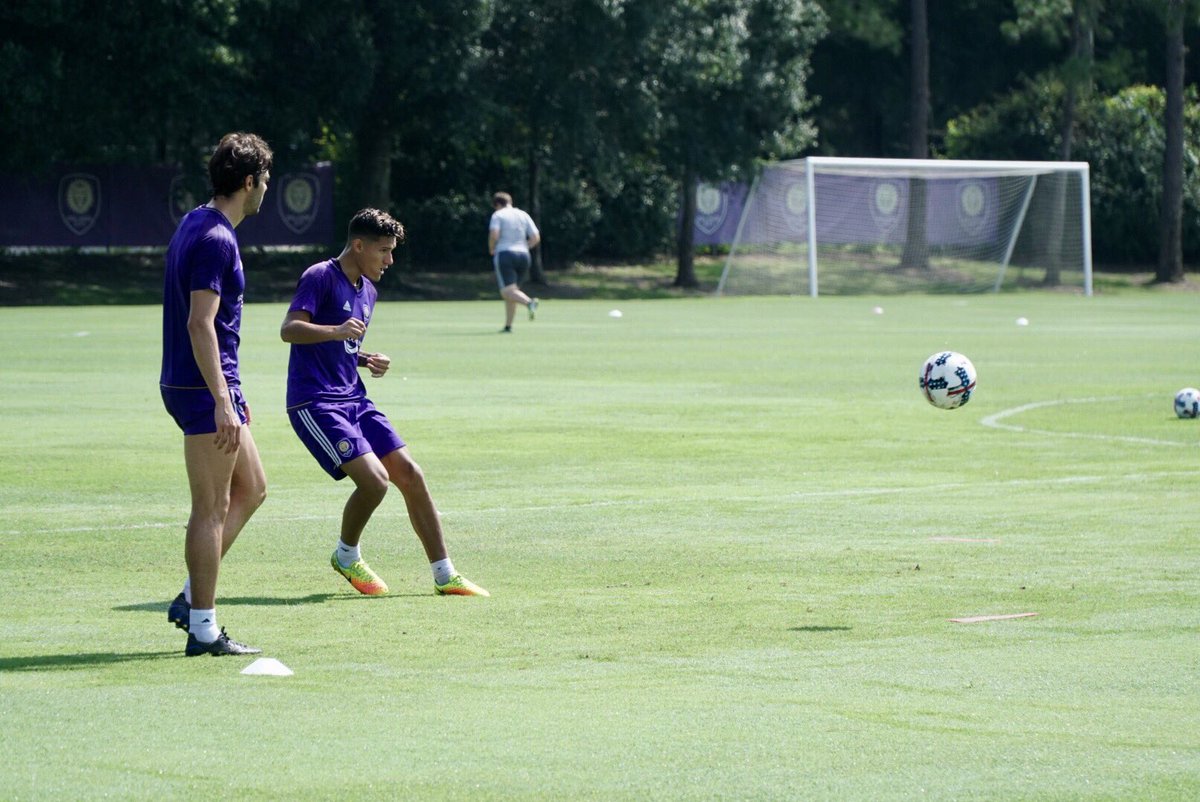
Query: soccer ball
[1187, 403]
[947, 379]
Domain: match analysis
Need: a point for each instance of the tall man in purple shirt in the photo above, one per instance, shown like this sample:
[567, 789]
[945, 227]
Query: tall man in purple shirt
[329, 409]
[201, 389]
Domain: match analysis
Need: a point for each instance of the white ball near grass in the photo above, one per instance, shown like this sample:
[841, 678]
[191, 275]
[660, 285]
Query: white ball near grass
[1022, 321]
[615, 313]
[947, 379]
[1187, 403]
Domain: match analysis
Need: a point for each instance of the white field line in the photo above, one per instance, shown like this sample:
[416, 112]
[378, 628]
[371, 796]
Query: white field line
[993, 421]
[332, 518]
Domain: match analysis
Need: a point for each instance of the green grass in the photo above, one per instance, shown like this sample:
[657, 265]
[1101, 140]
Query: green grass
[724, 540]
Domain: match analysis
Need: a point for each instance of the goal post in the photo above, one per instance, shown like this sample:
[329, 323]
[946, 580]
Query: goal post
[843, 226]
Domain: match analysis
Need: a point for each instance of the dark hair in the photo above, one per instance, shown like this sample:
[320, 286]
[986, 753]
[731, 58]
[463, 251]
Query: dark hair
[374, 224]
[502, 199]
[237, 156]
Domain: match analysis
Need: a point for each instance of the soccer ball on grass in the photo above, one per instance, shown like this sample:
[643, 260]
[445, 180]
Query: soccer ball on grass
[1187, 403]
[947, 379]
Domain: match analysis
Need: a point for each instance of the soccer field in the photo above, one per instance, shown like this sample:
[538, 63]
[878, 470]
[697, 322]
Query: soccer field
[725, 539]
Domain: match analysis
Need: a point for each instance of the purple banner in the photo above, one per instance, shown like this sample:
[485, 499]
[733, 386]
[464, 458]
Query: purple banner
[718, 209]
[115, 206]
[850, 209]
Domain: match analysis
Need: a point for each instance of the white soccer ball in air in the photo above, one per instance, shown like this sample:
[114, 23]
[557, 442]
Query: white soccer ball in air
[1187, 403]
[947, 379]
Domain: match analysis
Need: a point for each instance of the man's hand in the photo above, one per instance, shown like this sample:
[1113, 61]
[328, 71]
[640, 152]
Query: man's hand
[352, 329]
[378, 364]
[228, 437]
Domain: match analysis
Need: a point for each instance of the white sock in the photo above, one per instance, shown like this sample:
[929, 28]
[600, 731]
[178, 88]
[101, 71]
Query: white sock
[442, 571]
[187, 590]
[348, 555]
[203, 624]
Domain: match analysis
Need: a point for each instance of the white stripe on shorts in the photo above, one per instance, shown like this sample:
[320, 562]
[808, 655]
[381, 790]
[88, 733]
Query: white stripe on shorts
[313, 429]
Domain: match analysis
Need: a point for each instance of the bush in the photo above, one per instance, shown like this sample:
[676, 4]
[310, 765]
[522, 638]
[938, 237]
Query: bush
[1121, 137]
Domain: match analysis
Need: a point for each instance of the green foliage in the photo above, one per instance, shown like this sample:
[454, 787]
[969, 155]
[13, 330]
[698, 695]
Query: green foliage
[1121, 137]
[1124, 143]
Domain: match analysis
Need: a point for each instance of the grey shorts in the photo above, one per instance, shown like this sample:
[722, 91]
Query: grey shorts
[511, 267]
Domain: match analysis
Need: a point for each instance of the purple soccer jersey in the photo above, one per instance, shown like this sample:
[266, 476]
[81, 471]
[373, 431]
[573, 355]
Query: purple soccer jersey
[328, 371]
[203, 255]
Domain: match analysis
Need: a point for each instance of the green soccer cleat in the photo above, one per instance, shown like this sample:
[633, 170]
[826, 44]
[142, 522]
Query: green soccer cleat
[360, 575]
[459, 585]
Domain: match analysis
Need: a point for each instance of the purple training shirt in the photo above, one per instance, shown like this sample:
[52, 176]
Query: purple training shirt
[328, 371]
[203, 255]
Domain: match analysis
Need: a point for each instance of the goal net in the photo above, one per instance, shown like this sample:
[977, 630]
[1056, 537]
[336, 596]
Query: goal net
[864, 226]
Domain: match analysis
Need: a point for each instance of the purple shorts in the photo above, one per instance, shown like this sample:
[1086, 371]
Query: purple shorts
[337, 433]
[193, 407]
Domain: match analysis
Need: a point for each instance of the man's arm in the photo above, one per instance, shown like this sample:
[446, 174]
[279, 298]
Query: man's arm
[493, 238]
[299, 329]
[202, 331]
[532, 240]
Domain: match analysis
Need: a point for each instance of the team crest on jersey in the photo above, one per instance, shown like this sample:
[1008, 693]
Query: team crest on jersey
[345, 447]
[298, 198]
[366, 312]
[79, 202]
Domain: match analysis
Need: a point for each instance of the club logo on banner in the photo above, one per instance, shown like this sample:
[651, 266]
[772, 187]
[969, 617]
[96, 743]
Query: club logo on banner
[885, 206]
[712, 206]
[299, 194]
[79, 202]
[795, 202]
[184, 195]
[972, 206]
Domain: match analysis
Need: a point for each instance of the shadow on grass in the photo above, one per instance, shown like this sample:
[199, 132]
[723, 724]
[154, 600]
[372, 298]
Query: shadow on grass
[72, 661]
[271, 601]
[249, 601]
[819, 629]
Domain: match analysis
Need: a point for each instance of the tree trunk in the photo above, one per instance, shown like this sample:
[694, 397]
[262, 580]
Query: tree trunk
[685, 276]
[916, 251]
[375, 168]
[536, 272]
[1170, 249]
[1077, 80]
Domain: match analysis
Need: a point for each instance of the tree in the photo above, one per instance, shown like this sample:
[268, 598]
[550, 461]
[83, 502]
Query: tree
[1170, 251]
[551, 85]
[728, 87]
[116, 81]
[915, 248]
[1075, 21]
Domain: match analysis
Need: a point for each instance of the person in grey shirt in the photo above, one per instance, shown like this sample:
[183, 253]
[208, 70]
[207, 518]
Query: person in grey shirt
[511, 235]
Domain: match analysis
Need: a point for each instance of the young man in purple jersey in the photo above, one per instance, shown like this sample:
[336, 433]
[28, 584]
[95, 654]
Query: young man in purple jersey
[329, 409]
[200, 385]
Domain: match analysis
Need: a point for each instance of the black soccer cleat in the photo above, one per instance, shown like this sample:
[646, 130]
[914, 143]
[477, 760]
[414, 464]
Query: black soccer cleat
[221, 646]
[179, 613]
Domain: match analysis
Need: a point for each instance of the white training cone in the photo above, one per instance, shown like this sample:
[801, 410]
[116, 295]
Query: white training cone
[268, 666]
